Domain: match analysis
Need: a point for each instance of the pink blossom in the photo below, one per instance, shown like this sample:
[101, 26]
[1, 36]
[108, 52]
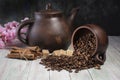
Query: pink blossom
[1, 29]
[8, 36]
[14, 32]
[3, 36]
[24, 30]
[8, 25]
[14, 23]
[2, 44]
[8, 32]
[11, 25]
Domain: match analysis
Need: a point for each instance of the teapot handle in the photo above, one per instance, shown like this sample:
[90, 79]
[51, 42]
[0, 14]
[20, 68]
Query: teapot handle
[27, 23]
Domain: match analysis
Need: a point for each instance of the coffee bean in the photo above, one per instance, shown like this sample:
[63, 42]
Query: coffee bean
[81, 58]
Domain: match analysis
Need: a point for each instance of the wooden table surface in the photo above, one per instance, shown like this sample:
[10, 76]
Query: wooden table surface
[15, 69]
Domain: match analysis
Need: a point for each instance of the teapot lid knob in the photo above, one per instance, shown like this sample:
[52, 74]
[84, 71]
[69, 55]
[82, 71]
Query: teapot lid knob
[48, 6]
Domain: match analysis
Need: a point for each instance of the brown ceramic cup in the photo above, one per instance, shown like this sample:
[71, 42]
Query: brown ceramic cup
[101, 40]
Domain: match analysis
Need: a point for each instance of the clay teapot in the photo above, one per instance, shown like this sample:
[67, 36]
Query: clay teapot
[50, 29]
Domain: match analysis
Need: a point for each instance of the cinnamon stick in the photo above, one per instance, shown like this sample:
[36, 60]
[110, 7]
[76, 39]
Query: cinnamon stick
[35, 48]
[25, 53]
[21, 56]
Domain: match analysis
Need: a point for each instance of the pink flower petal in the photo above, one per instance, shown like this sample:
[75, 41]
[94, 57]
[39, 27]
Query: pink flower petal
[14, 24]
[1, 29]
[11, 25]
[2, 44]
[8, 32]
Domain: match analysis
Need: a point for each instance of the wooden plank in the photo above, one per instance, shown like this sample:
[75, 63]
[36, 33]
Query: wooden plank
[16, 70]
[111, 69]
[81, 75]
[3, 65]
[3, 53]
[19, 69]
[13, 69]
[117, 38]
[38, 71]
[62, 75]
[115, 42]
[3, 62]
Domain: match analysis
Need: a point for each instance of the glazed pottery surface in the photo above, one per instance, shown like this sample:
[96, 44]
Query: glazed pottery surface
[101, 40]
[50, 29]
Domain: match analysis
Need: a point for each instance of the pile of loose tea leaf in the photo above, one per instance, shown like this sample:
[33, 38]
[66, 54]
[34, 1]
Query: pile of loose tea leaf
[80, 59]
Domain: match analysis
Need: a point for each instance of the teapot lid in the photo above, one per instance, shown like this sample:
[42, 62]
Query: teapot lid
[49, 10]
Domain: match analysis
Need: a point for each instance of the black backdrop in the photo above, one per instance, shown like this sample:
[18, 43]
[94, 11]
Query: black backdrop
[105, 13]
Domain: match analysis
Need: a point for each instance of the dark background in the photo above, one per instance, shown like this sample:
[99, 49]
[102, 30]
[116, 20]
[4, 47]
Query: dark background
[105, 13]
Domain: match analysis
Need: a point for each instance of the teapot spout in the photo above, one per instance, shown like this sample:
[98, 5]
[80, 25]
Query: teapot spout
[72, 16]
